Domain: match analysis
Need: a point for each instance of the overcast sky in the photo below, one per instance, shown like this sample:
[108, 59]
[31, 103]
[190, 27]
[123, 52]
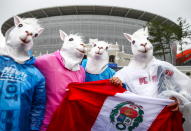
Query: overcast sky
[171, 9]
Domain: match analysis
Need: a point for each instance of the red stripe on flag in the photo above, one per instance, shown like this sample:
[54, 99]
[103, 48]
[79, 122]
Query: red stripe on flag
[75, 112]
[167, 120]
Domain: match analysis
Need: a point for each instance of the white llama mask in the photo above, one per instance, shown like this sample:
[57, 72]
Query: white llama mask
[97, 59]
[72, 51]
[142, 48]
[19, 40]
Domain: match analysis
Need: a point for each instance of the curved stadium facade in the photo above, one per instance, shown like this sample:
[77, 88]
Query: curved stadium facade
[103, 22]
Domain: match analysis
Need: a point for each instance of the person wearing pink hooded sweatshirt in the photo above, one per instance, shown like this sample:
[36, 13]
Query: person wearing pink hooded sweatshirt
[60, 69]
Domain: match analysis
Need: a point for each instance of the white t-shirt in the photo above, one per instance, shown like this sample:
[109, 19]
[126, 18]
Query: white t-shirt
[139, 81]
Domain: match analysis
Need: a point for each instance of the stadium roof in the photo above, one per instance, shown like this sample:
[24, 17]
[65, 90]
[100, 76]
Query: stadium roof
[93, 10]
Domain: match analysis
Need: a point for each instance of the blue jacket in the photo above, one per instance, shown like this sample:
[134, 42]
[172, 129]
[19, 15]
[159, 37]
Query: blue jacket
[22, 95]
[106, 74]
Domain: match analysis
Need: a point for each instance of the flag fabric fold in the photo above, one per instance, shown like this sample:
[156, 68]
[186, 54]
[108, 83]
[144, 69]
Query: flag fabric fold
[100, 106]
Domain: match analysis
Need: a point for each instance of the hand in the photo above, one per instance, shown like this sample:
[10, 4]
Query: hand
[116, 81]
[175, 105]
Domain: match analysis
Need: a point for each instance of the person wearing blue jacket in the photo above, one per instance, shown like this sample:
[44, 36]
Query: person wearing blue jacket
[22, 95]
[96, 64]
[22, 86]
[106, 74]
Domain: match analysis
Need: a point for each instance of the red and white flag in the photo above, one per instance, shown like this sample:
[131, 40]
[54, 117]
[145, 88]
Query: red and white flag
[100, 106]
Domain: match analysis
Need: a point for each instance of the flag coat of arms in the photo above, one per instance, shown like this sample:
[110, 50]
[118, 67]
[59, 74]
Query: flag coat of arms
[100, 106]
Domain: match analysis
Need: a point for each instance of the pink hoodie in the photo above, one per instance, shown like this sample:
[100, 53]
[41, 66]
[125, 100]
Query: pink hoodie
[57, 80]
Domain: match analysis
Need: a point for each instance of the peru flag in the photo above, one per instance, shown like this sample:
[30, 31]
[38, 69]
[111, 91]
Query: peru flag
[100, 106]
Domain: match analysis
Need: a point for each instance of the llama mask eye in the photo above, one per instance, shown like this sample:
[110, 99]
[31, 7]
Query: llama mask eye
[148, 38]
[71, 39]
[94, 45]
[106, 48]
[133, 42]
[20, 25]
[35, 35]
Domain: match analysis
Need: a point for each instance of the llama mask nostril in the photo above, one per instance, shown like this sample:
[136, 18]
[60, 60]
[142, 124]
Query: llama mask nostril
[144, 44]
[28, 33]
[82, 45]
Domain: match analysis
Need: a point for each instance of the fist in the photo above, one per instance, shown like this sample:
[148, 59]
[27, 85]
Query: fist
[175, 105]
[116, 81]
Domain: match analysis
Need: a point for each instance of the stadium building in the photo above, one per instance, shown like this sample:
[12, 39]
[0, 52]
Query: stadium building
[103, 22]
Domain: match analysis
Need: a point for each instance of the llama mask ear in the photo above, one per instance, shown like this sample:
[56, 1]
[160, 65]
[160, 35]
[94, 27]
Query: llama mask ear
[17, 20]
[128, 37]
[62, 35]
[91, 41]
[40, 31]
[146, 29]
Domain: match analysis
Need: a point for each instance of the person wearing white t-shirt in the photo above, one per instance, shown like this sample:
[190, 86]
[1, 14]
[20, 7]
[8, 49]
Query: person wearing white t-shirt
[147, 76]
